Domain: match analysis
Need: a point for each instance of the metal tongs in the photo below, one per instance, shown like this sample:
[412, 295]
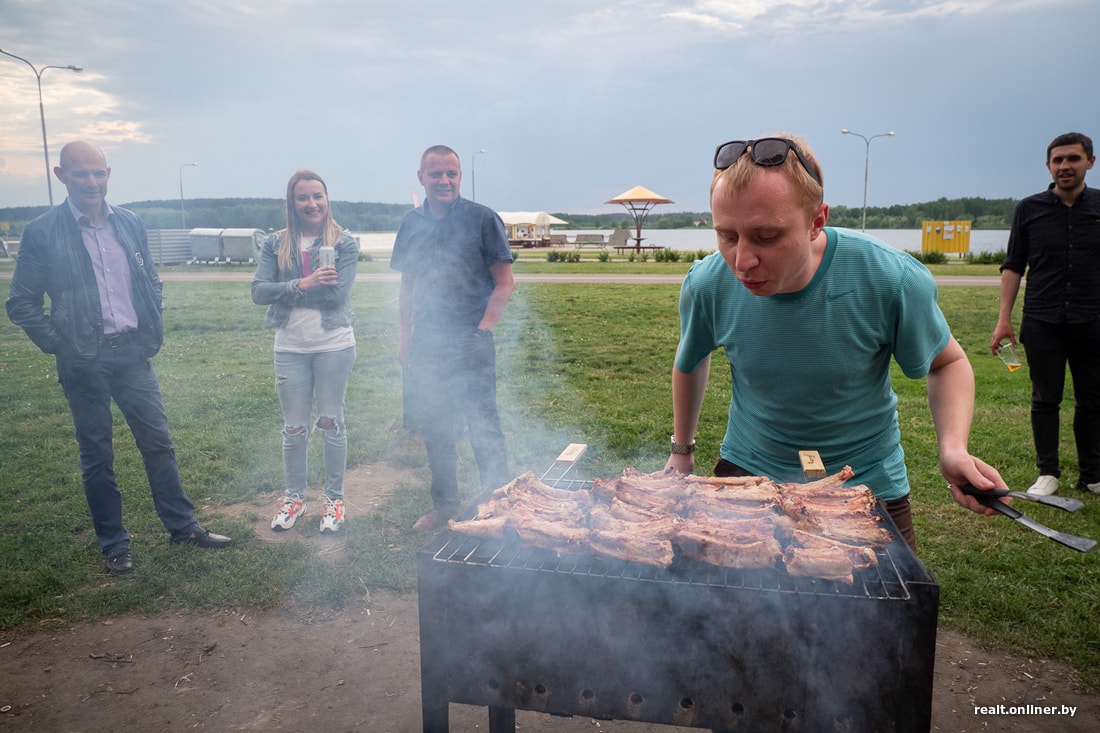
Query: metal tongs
[989, 499]
[1070, 505]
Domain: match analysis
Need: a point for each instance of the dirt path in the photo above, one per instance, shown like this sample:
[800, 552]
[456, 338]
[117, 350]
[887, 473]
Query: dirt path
[358, 669]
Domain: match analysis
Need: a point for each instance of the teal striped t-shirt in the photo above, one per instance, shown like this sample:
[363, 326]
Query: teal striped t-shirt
[811, 370]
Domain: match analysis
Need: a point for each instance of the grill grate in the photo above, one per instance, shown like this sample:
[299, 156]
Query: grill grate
[883, 581]
[511, 627]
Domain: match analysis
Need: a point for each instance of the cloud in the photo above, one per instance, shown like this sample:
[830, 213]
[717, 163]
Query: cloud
[741, 17]
[574, 101]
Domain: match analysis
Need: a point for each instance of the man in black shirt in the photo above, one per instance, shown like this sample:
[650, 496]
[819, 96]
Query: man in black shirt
[1055, 240]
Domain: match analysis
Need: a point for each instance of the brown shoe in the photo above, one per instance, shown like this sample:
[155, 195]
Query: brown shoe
[204, 538]
[431, 521]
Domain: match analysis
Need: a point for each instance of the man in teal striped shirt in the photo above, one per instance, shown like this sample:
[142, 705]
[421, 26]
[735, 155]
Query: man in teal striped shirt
[810, 318]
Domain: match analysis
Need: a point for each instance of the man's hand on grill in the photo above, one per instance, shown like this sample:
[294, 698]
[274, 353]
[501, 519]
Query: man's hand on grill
[682, 462]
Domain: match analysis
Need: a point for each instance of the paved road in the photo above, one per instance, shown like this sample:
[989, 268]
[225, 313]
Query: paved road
[611, 279]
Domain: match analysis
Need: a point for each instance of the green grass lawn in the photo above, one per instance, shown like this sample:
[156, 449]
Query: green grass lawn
[578, 363]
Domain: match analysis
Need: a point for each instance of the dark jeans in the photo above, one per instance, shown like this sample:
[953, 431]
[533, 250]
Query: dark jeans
[1049, 348]
[124, 375]
[900, 510]
[448, 386]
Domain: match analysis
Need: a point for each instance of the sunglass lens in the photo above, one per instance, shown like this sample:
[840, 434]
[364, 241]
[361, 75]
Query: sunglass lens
[728, 154]
[770, 152]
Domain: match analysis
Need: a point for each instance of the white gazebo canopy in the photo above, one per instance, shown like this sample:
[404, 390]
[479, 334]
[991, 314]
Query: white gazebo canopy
[528, 224]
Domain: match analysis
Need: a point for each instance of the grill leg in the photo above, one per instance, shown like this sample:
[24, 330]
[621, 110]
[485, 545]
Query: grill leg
[434, 701]
[502, 720]
[436, 718]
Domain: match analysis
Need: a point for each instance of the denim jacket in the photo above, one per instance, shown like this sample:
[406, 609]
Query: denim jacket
[277, 288]
[53, 261]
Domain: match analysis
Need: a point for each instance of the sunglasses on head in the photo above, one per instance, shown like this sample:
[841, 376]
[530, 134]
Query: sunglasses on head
[767, 152]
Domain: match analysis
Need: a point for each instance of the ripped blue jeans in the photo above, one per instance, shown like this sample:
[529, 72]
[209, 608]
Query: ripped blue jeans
[299, 379]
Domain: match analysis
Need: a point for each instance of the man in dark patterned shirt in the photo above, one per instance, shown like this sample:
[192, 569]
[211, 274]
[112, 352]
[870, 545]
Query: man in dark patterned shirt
[1055, 241]
[456, 280]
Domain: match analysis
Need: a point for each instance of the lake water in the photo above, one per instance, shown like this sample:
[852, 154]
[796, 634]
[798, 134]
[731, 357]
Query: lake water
[692, 240]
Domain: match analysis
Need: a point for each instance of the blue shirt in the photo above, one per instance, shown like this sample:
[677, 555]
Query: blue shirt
[811, 370]
[447, 261]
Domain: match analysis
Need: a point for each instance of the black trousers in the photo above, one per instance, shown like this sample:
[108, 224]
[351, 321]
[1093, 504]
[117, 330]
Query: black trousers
[1050, 347]
[448, 387]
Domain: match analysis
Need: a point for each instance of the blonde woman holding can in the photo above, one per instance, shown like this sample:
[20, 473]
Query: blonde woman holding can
[308, 302]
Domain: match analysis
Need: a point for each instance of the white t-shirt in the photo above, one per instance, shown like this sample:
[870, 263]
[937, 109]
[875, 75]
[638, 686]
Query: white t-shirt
[302, 334]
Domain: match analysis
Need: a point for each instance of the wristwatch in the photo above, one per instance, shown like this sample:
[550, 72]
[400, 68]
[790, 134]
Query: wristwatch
[685, 449]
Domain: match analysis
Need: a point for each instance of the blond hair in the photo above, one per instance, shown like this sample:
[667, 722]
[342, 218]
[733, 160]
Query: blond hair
[811, 193]
[290, 244]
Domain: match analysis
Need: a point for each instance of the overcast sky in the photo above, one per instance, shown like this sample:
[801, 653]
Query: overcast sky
[573, 101]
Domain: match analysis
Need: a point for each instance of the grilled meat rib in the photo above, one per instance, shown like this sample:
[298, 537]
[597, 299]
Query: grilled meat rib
[819, 529]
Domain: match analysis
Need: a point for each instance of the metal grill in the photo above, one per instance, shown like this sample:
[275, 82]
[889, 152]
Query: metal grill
[884, 581]
[694, 645]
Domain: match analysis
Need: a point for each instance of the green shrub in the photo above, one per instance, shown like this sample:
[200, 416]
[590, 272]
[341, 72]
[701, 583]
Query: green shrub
[929, 258]
[985, 258]
[556, 256]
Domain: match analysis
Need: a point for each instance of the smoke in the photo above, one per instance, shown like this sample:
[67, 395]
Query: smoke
[692, 645]
[530, 383]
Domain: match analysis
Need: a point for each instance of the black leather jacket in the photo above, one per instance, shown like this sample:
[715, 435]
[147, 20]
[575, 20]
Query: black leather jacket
[52, 261]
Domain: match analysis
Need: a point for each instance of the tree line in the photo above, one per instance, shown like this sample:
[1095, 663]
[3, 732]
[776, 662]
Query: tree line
[982, 213]
[269, 214]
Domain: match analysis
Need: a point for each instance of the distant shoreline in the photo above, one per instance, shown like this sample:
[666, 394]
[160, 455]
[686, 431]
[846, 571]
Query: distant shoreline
[702, 239]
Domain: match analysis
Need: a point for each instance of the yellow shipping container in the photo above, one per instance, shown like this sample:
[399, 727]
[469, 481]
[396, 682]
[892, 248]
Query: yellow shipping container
[949, 237]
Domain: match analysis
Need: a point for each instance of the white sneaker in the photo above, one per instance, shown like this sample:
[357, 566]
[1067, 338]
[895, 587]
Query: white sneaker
[1094, 488]
[1044, 486]
[333, 517]
[292, 508]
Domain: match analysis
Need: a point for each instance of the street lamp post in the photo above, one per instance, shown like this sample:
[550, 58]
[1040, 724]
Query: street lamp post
[42, 111]
[473, 166]
[866, 164]
[183, 216]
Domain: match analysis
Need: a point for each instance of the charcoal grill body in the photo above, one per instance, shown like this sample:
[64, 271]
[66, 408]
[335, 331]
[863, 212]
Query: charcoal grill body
[693, 645]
